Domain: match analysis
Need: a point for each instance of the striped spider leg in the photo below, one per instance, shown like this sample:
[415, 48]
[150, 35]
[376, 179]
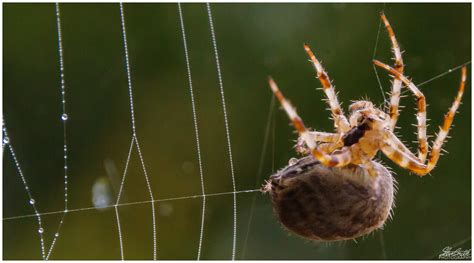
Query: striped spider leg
[420, 116]
[338, 159]
[393, 147]
[339, 150]
[330, 141]
[340, 121]
[397, 83]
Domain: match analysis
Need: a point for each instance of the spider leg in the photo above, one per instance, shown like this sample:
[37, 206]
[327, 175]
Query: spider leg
[329, 147]
[331, 140]
[395, 153]
[325, 136]
[369, 166]
[339, 159]
[394, 142]
[448, 120]
[340, 121]
[397, 83]
[420, 116]
[403, 159]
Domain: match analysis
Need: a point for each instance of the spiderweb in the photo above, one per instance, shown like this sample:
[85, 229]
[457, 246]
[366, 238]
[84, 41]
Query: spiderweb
[240, 226]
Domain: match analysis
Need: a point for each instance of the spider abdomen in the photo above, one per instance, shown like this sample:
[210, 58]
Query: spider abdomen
[322, 203]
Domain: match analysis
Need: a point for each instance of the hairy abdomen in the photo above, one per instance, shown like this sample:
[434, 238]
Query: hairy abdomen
[321, 203]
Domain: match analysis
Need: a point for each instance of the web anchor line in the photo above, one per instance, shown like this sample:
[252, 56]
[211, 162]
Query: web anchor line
[134, 141]
[444, 73]
[179, 198]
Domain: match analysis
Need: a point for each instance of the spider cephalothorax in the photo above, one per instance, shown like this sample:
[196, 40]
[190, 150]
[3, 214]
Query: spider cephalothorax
[349, 151]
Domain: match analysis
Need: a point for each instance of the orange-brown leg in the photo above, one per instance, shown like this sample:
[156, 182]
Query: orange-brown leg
[405, 160]
[340, 121]
[448, 120]
[393, 141]
[340, 159]
[420, 116]
[397, 83]
[331, 141]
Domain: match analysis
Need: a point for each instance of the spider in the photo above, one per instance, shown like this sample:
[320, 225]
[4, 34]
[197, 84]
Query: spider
[338, 191]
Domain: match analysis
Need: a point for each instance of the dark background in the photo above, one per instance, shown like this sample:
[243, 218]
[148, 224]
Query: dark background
[254, 40]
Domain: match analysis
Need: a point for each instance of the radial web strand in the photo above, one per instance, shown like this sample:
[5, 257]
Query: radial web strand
[134, 141]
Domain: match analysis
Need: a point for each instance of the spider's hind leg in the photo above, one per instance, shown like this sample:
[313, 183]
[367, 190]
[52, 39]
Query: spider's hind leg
[400, 156]
[420, 116]
[448, 120]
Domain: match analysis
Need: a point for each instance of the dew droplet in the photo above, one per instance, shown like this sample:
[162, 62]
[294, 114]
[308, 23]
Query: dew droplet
[292, 161]
[64, 117]
[6, 140]
[56, 235]
[40, 230]
[32, 201]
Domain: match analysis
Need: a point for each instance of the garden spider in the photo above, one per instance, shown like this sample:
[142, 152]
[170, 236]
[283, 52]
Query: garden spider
[338, 192]
[369, 129]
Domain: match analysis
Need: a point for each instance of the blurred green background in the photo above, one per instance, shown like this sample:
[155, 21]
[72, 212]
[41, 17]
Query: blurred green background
[254, 40]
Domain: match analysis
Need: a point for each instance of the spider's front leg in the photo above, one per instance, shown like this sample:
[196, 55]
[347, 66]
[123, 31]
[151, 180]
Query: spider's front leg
[340, 121]
[331, 160]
